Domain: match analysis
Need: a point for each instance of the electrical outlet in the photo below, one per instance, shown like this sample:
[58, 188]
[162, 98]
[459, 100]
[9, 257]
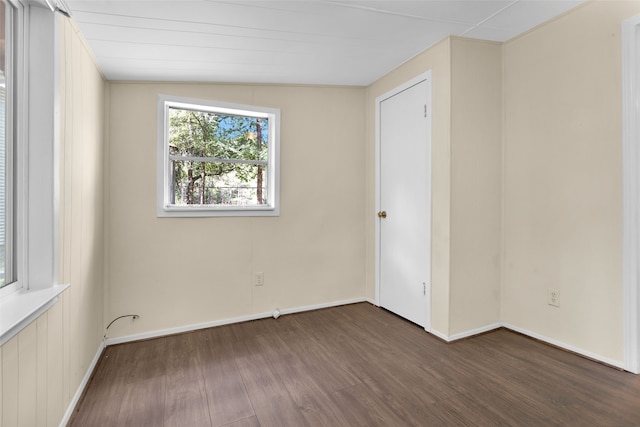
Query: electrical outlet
[258, 278]
[553, 297]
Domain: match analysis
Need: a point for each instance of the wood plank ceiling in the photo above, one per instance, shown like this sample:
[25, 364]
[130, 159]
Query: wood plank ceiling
[296, 41]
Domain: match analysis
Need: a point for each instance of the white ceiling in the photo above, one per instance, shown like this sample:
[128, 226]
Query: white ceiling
[297, 41]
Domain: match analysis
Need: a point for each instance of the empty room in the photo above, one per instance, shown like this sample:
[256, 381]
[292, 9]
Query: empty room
[319, 213]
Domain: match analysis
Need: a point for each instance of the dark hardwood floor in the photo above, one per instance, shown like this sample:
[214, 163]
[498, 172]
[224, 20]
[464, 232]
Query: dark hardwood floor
[355, 365]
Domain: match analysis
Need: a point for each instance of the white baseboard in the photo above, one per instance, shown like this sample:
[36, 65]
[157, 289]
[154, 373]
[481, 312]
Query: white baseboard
[590, 355]
[447, 338]
[188, 328]
[440, 335]
[466, 334]
[560, 344]
[83, 384]
[319, 306]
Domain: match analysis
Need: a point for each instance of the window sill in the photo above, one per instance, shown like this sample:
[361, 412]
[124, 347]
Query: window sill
[204, 211]
[19, 309]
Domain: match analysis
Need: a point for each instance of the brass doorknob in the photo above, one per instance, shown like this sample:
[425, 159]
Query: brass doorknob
[382, 214]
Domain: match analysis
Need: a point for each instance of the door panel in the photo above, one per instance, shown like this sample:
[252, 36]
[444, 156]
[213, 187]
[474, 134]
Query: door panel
[405, 175]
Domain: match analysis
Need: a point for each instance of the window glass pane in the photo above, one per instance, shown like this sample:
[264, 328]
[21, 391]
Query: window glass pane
[217, 159]
[208, 134]
[218, 184]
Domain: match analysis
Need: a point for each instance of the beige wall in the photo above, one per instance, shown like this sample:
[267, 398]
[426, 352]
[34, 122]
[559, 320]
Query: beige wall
[476, 180]
[42, 366]
[557, 175]
[527, 179]
[466, 174]
[438, 60]
[176, 272]
[563, 178]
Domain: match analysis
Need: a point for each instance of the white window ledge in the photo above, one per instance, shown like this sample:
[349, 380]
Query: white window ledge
[20, 308]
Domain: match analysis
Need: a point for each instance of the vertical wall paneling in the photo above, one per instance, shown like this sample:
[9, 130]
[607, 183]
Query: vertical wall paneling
[74, 138]
[43, 368]
[55, 362]
[27, 375]
[10, 382]
[42, 337]
[82, 207]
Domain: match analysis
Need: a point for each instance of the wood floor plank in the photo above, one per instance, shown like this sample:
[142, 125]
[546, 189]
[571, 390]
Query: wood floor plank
[127, 388]
[299, 376]
[140, 403]
[226, 393]
[321, 365]
[246, 422]
[355, 365]
[185, 401]
[270, 399]
[361, 406]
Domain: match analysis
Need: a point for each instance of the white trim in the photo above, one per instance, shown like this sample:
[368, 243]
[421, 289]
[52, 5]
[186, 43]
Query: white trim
[16, 130]
[630, 196]
[22, 307]
[467, 334]
[321, 306]
[83, 384]
[36, 195]
[371, 301]
[42, 153]
[443, 337]
[565, 346]
[414, 81]
[554, 342]
[222, 322]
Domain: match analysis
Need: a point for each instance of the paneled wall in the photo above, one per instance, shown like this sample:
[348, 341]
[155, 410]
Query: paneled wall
[42, 367]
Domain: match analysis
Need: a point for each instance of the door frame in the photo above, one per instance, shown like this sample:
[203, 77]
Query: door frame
[406, 85]
[631, 194]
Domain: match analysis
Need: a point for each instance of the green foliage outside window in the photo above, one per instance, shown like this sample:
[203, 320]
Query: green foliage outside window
[217, 159]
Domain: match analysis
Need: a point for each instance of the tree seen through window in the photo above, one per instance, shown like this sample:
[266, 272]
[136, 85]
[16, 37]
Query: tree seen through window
[217, 159]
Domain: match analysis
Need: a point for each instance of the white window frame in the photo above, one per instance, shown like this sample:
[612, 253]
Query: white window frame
[14, 134]
[36, 169]
[164, 209]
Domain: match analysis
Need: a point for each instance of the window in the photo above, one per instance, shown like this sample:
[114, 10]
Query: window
[217, 159]
[7, 14]
[28, 208]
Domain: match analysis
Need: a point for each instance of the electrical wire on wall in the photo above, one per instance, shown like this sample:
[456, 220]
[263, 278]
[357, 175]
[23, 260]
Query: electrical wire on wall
[133, 316]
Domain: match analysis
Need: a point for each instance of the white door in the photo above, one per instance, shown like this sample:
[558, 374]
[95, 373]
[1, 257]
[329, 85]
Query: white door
[404, 214]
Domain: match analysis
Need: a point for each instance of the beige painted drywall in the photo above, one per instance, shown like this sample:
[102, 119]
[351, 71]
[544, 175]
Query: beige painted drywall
[476, 194]
[42, 367]
[176, 272]
[438, 60]
[563, 178]
[466, 174]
